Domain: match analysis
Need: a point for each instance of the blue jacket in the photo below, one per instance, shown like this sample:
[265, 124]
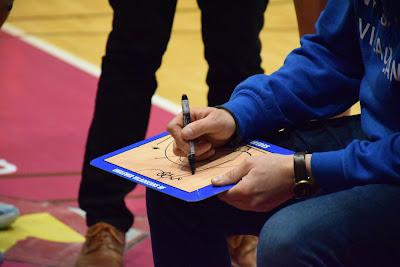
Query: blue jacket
[355, 55]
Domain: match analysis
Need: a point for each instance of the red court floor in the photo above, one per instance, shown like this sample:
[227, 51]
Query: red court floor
[45, 110]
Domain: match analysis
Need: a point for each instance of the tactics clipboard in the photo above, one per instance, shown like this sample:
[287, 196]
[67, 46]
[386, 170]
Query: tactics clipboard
[151, 162]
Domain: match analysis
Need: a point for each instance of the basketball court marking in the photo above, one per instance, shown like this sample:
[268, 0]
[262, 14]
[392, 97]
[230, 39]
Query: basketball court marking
[77, 62]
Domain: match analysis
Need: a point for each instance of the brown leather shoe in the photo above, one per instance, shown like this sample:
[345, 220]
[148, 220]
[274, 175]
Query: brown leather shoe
[243, 250]
[104, 247]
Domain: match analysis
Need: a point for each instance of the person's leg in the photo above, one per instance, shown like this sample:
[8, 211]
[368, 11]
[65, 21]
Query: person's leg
[232, 46]
[355, 227]
[317, 136]
[135, 46]
[193, 234]
[307, 13]
[232, 50]
[5, 8]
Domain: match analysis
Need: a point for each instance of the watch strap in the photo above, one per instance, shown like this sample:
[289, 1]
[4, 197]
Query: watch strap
[300, 169]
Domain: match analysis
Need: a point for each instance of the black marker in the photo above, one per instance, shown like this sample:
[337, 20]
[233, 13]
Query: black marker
[186, 121]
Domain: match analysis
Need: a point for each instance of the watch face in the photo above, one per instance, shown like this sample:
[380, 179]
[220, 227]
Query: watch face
[302, 189]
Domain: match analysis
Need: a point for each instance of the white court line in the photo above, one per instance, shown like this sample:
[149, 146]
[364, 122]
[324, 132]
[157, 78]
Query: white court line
[77, 62]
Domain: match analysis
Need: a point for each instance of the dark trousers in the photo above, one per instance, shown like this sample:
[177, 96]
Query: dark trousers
[355, 227]
[136, 44]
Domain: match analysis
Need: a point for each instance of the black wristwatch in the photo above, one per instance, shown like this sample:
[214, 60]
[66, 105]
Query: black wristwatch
[303, 184]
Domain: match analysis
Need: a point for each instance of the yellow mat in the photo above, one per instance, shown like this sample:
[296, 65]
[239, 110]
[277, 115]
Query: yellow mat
[40, 225]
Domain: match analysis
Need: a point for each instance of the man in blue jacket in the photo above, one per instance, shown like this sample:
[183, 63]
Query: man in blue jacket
[336, 202]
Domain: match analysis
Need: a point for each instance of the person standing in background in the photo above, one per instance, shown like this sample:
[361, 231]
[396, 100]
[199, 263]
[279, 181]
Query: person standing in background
[135, 46]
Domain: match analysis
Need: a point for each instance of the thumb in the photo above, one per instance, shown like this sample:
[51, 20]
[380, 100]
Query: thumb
[232, 176]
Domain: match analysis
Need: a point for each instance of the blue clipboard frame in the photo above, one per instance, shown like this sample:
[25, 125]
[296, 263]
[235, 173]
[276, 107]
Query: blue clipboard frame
[194, 196]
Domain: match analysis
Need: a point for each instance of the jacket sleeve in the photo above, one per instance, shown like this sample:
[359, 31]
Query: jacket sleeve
[361, 162]
[318, 80]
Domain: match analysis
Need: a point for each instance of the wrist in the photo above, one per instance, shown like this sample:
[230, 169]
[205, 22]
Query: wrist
[234, 139]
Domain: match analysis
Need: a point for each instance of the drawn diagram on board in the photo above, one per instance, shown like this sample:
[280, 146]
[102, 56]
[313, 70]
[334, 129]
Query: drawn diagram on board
[157, 161]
